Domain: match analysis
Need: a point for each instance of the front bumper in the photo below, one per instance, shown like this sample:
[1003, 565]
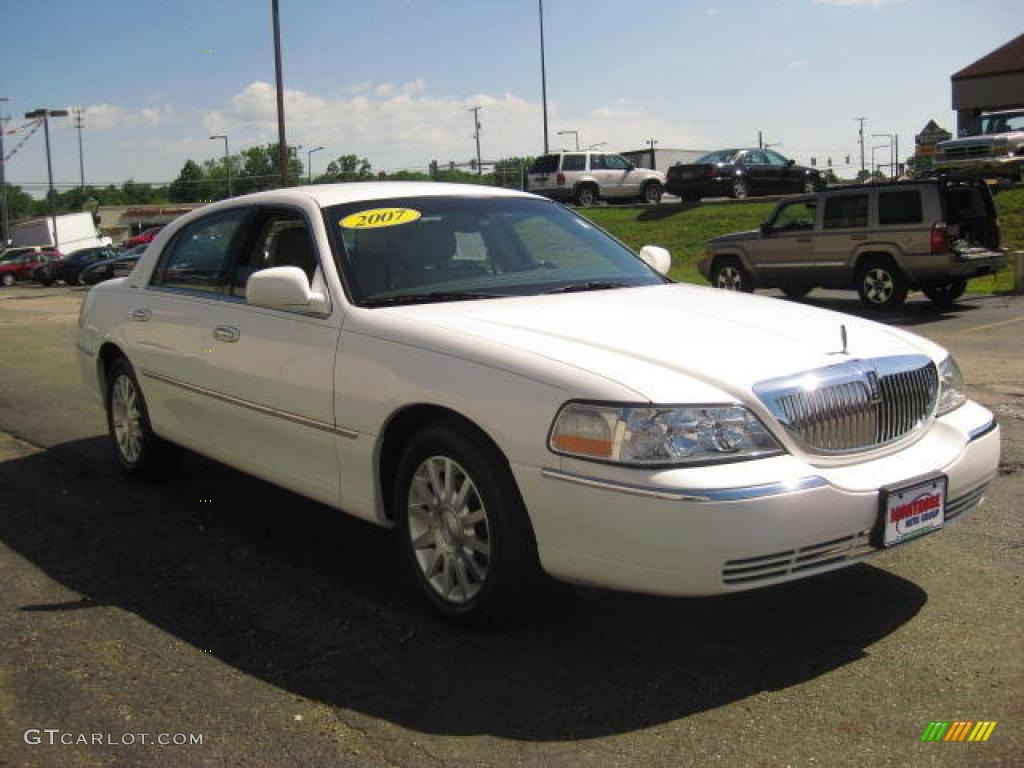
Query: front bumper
[699, 532]
[986, 166]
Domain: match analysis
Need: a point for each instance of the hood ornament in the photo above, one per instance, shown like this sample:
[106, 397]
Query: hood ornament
[842, 340]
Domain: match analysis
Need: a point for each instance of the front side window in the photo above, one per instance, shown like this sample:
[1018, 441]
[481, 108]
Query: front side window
[283, 240]
[796, 217]
[845, 211]
[755, 157]
[903, 207]
[412, 250]
[598, 163]
[616, 163]
[774, 158]
[198, 258]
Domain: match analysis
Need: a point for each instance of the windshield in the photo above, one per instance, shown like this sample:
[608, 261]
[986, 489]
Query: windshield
[408, 250]
[1001, 123]
[721, 156]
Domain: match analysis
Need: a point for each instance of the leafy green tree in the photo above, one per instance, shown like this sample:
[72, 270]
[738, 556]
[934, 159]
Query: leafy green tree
[19, 203]
[348, 168]
[188, 187]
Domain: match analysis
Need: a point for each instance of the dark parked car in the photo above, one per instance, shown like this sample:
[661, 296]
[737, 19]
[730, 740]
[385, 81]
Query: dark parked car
[111, 268]
[18, 263]
[741, 173]
[70, 268]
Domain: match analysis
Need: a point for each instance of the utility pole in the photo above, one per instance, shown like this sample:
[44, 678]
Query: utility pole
[282, 144]
[654, 160]
[861, 119]
[543, 76]
[227, 159]
[46, 114]
[760, 141]
[81, 161]
[3, 178]
[476, 134]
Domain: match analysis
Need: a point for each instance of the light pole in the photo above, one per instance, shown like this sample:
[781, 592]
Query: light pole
[309, 164]
[861, 139]
[654, 160]
[874, 167]
[3, 179]
[46, 114]
[892, 157]
[599, 144]
[543, 76]
[227, 159]
[476, 135]
[282, 144]
[576, 134]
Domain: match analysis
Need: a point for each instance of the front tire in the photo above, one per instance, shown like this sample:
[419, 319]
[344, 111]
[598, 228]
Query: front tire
[8, 279]
[881, 286]
[740, 189]
[141, 453]
[945, 294]
[652, 193]
[729, 275]
[462, 529]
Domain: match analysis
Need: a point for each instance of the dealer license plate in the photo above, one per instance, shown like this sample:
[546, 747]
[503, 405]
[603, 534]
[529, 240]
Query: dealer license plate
[912, 510]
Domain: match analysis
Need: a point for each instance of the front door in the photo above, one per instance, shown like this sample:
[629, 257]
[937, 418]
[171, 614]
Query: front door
[785, 251]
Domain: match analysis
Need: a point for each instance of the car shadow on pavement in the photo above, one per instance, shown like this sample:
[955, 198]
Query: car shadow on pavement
[308, 600]
[912, 313]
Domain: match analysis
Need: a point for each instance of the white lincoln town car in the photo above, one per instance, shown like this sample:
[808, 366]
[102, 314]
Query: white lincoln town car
[516, 393]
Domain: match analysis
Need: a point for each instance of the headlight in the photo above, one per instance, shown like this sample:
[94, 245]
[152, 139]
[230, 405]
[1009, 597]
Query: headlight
[660, 435]
[952, 392]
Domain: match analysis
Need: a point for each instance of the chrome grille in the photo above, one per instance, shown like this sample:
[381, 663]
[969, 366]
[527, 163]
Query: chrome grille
[854, 406]
[970, 150]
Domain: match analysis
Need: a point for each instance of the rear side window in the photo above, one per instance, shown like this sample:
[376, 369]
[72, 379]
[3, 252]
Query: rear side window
[198, 258]
[903, 207]
[545, 164]
[574, 163]
[844, 211]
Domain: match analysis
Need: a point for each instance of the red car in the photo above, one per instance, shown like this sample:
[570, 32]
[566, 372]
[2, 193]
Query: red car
[143, 237]
[18, 263]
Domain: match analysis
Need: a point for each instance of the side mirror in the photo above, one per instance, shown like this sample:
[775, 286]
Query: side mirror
[766, 228]
[791, 162]
[657, 258]
[284, 288]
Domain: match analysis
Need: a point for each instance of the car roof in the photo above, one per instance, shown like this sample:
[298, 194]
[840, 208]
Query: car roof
[326, 195]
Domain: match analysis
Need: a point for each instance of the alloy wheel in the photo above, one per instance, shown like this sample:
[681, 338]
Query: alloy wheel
[8, 279]
[449, 529]
[729, 278]
[878, 285]
[126, 419]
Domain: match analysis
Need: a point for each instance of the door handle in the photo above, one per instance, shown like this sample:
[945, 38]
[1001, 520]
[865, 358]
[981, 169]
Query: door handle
[142, 315]
[226, 333]
[858, 237]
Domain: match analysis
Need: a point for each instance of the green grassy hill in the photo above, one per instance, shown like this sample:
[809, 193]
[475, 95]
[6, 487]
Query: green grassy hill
[685, 230]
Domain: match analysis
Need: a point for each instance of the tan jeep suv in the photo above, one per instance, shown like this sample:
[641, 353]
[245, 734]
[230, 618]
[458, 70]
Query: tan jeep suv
[586, 177]
[882, 239]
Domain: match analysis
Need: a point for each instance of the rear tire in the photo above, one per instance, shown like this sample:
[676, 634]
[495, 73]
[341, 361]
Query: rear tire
[142, 454]
[729, 275]
[945, 294]
[880, 285]
[461, 527]
[740, 189]
[8, 279]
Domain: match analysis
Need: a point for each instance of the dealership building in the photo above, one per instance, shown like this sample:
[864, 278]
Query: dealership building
[993, 82]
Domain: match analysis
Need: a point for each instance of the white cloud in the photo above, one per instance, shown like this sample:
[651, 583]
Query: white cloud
[109, 116]
[403, 125]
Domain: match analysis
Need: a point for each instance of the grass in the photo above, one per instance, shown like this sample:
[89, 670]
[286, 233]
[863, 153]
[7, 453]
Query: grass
[685, 230]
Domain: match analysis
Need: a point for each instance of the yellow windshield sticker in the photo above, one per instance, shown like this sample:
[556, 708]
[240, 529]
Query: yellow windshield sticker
[380, 217]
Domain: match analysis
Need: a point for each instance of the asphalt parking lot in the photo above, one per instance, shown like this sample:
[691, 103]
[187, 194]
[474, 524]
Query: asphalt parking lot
[278, 630]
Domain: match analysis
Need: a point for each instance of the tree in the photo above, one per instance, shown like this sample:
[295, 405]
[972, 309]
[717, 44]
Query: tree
[19, 203]
[348, 168]
[188, 187]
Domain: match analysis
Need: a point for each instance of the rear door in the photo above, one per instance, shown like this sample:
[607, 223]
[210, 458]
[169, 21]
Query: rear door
[844, 229]
[624, 179]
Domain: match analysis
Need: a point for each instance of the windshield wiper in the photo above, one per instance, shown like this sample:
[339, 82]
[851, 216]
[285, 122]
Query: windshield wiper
[431, 297]
[589, 285]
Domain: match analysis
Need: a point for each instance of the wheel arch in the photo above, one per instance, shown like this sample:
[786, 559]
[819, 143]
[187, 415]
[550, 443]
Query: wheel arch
[398, 429]
[109, 352]
[879, 253]
[736, 253]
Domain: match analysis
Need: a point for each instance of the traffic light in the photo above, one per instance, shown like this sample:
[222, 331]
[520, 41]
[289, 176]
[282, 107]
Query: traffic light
[814, 161]
[433, 168]
[847, 159]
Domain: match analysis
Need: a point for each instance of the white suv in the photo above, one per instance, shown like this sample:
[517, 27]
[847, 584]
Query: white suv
[586, 177]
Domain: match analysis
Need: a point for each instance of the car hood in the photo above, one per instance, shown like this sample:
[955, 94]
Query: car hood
[750, 234]
[657, 340]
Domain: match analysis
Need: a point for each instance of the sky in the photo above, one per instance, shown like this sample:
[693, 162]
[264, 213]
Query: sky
[392, 80]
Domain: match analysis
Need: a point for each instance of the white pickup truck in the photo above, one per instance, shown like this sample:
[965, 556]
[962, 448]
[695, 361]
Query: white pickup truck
[995, 150]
